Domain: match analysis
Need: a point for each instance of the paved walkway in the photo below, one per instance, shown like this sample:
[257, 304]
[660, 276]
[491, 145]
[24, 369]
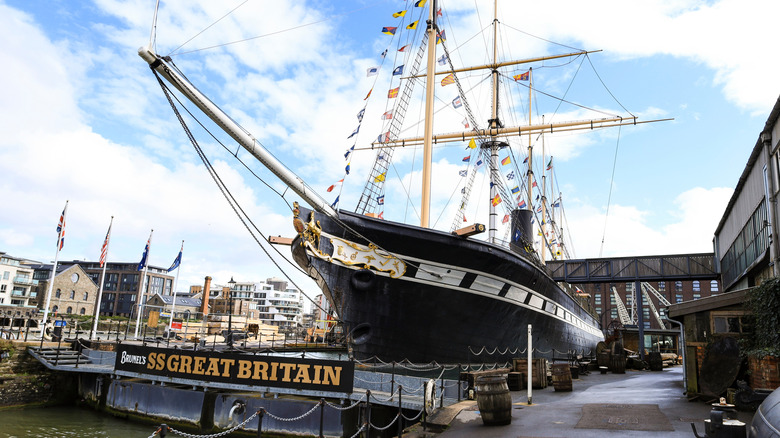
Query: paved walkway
[556, 414]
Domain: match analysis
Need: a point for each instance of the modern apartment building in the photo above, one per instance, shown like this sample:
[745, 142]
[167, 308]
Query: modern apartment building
[16, 281]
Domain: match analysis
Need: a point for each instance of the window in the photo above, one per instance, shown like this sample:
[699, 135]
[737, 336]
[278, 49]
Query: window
[3, 287]
[612, 300]
[731, 322]
[86, 296]
[598, 310]
[598, 298]
[661, 286]
[72, 295]
[696, 286]
[129, 283]
[58, 294]
[6, 274]
[629, 287]
[714, 286]
[83, 311]
[110, 281]
[613, 313]
[678, 298]
[55, 309]
[678, 286]
[696, 296]
[69, 311]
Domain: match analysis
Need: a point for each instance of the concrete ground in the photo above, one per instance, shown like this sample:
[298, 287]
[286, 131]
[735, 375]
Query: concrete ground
[555, 414]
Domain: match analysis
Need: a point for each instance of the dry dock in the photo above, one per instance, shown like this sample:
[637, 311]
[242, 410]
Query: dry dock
[636, 404]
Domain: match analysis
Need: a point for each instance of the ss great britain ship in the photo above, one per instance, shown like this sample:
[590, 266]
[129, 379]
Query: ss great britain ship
[412, 292]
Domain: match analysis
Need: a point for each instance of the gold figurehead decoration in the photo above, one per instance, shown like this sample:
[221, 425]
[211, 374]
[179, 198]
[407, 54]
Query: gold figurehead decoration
[310, 231]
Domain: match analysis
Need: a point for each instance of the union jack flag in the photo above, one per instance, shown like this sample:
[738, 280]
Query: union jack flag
[61, 228]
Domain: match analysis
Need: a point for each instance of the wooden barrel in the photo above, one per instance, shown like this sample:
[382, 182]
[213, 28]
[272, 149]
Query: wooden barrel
[655, 361]
[494, 400]
[561, 377]
[603, 358]
[617, 364]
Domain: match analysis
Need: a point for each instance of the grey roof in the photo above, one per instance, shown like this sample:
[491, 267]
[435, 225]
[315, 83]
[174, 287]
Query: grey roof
[181, 300]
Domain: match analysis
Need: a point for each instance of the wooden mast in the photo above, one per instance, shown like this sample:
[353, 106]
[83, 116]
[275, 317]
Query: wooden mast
[494, 124]
[428, 133]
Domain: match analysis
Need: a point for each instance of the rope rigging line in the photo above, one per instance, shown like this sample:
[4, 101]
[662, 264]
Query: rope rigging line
[242, 215]
[609, 197]
[216, 46]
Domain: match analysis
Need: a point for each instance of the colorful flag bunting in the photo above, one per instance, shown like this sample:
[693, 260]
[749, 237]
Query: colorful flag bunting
[521, 204]
[387, 115]
[379, 178]
[496, 200]
[412, 25]
[505, 219]
[534, 184]
[440, 37]
[510, 175]
[515, 189]
[466, 158]
[360, 115]
[346, 169]
[336, 202]
[338, 183]
[442, 60]
[369, 93]
[349, 151]
[506, 161]
[398, 70]
[389, 30]
[525, 161]
[462, 172]
[438, 12]
[549, 165]
[556, 204]
[465, 123]
[392, 94]
[177, 260]
[383, 138]
[381, 215]
[457, 102]
[449, 79]
[383, 54]
[399, 14]
[371, 71]
[403, 49]
[539, 209]
[479, 164]
[381, 200]
[472, 144]
[420, 3]
[354, 132]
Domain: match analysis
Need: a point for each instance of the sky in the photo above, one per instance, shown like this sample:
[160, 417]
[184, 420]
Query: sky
[84, 120]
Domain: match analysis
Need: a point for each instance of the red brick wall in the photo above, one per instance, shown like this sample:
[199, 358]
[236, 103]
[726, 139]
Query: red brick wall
[764, 373]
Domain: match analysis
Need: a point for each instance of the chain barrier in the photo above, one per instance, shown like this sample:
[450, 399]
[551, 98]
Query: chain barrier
[214, 435]
[359, 431]
[300, 417]
[419, 414]
[371, 425]
[339, 408]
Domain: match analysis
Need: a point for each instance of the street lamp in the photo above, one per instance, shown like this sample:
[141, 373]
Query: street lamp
[232, 284]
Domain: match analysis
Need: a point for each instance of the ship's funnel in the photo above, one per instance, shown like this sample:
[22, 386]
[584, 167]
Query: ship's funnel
[522, 232]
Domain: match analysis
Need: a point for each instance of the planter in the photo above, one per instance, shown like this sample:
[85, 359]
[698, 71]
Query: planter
[764, 372]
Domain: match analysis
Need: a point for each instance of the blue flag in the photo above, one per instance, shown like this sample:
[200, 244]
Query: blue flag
[398, 70]
[335, 203]
[177, 261]
[142, 263]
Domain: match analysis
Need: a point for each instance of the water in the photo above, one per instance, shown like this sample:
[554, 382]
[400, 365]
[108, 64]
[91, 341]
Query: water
[57, 422]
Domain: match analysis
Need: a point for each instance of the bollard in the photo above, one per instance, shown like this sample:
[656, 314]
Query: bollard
[400, 411]
[322, 416]
[260, 414]
[367, 432]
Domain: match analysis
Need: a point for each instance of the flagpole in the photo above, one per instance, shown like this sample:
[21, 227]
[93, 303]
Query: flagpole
[175, 282]
[103, 257]
[60, 233]
[138, 304]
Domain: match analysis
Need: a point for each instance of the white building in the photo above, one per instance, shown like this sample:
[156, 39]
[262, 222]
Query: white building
[272, 302]
[16, 282]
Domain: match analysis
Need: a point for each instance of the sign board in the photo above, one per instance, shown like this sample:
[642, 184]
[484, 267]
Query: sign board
[176, 325]
[60, 323]
[237, 368]
[165, 314]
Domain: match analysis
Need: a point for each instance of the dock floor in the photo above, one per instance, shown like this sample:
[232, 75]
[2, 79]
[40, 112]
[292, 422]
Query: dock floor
[598, 401]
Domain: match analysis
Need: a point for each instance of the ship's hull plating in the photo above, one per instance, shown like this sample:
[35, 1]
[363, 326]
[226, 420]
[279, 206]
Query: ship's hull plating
[433, 296]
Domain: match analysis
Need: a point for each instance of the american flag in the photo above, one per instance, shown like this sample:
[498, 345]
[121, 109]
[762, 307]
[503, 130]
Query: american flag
[61, 228]
[104, 249]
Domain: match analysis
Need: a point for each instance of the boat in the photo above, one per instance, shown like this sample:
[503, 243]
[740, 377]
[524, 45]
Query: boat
[411, 292]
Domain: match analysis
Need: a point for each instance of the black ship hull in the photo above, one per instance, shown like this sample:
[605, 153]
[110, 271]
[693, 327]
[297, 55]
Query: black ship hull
[425, 295]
